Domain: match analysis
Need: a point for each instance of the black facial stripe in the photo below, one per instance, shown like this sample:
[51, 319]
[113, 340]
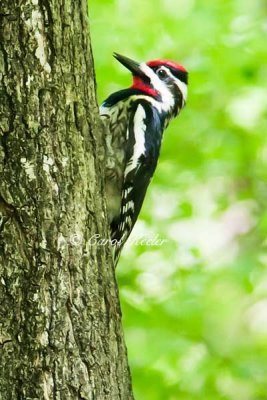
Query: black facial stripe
[177, 73]
[178, 96]
[182, 75]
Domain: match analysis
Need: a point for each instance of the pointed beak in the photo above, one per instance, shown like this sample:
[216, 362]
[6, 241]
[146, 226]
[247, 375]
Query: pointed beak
[131, 65]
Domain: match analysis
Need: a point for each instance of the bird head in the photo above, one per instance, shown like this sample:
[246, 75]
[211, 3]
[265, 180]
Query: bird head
[164, 80]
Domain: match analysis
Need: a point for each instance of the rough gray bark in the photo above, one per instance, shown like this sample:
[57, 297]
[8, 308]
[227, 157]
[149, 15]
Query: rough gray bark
[60, 322]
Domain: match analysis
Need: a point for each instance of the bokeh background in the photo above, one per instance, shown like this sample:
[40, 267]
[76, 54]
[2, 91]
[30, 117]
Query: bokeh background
[195, 307]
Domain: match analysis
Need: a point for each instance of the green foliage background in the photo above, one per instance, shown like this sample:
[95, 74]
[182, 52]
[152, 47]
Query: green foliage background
[195, 308]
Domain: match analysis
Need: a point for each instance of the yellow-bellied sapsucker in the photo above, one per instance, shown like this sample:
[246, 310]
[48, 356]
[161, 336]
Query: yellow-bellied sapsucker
[135, 119]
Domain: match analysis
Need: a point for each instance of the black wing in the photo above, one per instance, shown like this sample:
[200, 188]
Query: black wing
[142, 152]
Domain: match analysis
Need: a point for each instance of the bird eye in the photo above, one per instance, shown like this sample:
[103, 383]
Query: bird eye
[161, 73]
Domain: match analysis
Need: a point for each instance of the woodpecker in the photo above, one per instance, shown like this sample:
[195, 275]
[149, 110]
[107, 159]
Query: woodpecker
[134, 120]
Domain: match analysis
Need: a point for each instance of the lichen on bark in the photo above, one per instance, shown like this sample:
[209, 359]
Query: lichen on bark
[60, 321]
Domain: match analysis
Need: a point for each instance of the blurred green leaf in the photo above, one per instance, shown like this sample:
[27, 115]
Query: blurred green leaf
[195, 307]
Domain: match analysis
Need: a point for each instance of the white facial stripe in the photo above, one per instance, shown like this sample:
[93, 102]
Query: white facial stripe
[158, 84]
[167, 98]
[182, 87]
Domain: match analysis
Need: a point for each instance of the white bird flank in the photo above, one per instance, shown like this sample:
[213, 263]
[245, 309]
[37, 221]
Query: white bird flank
[139, 135]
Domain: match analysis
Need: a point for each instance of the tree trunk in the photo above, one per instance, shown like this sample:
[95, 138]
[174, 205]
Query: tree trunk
[60, 321]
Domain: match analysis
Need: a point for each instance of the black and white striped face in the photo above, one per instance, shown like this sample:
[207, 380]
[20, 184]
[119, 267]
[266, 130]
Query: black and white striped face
[164, 80]
[169, 80]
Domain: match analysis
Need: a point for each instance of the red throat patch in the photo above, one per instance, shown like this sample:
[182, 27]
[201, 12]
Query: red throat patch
[138, 83]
